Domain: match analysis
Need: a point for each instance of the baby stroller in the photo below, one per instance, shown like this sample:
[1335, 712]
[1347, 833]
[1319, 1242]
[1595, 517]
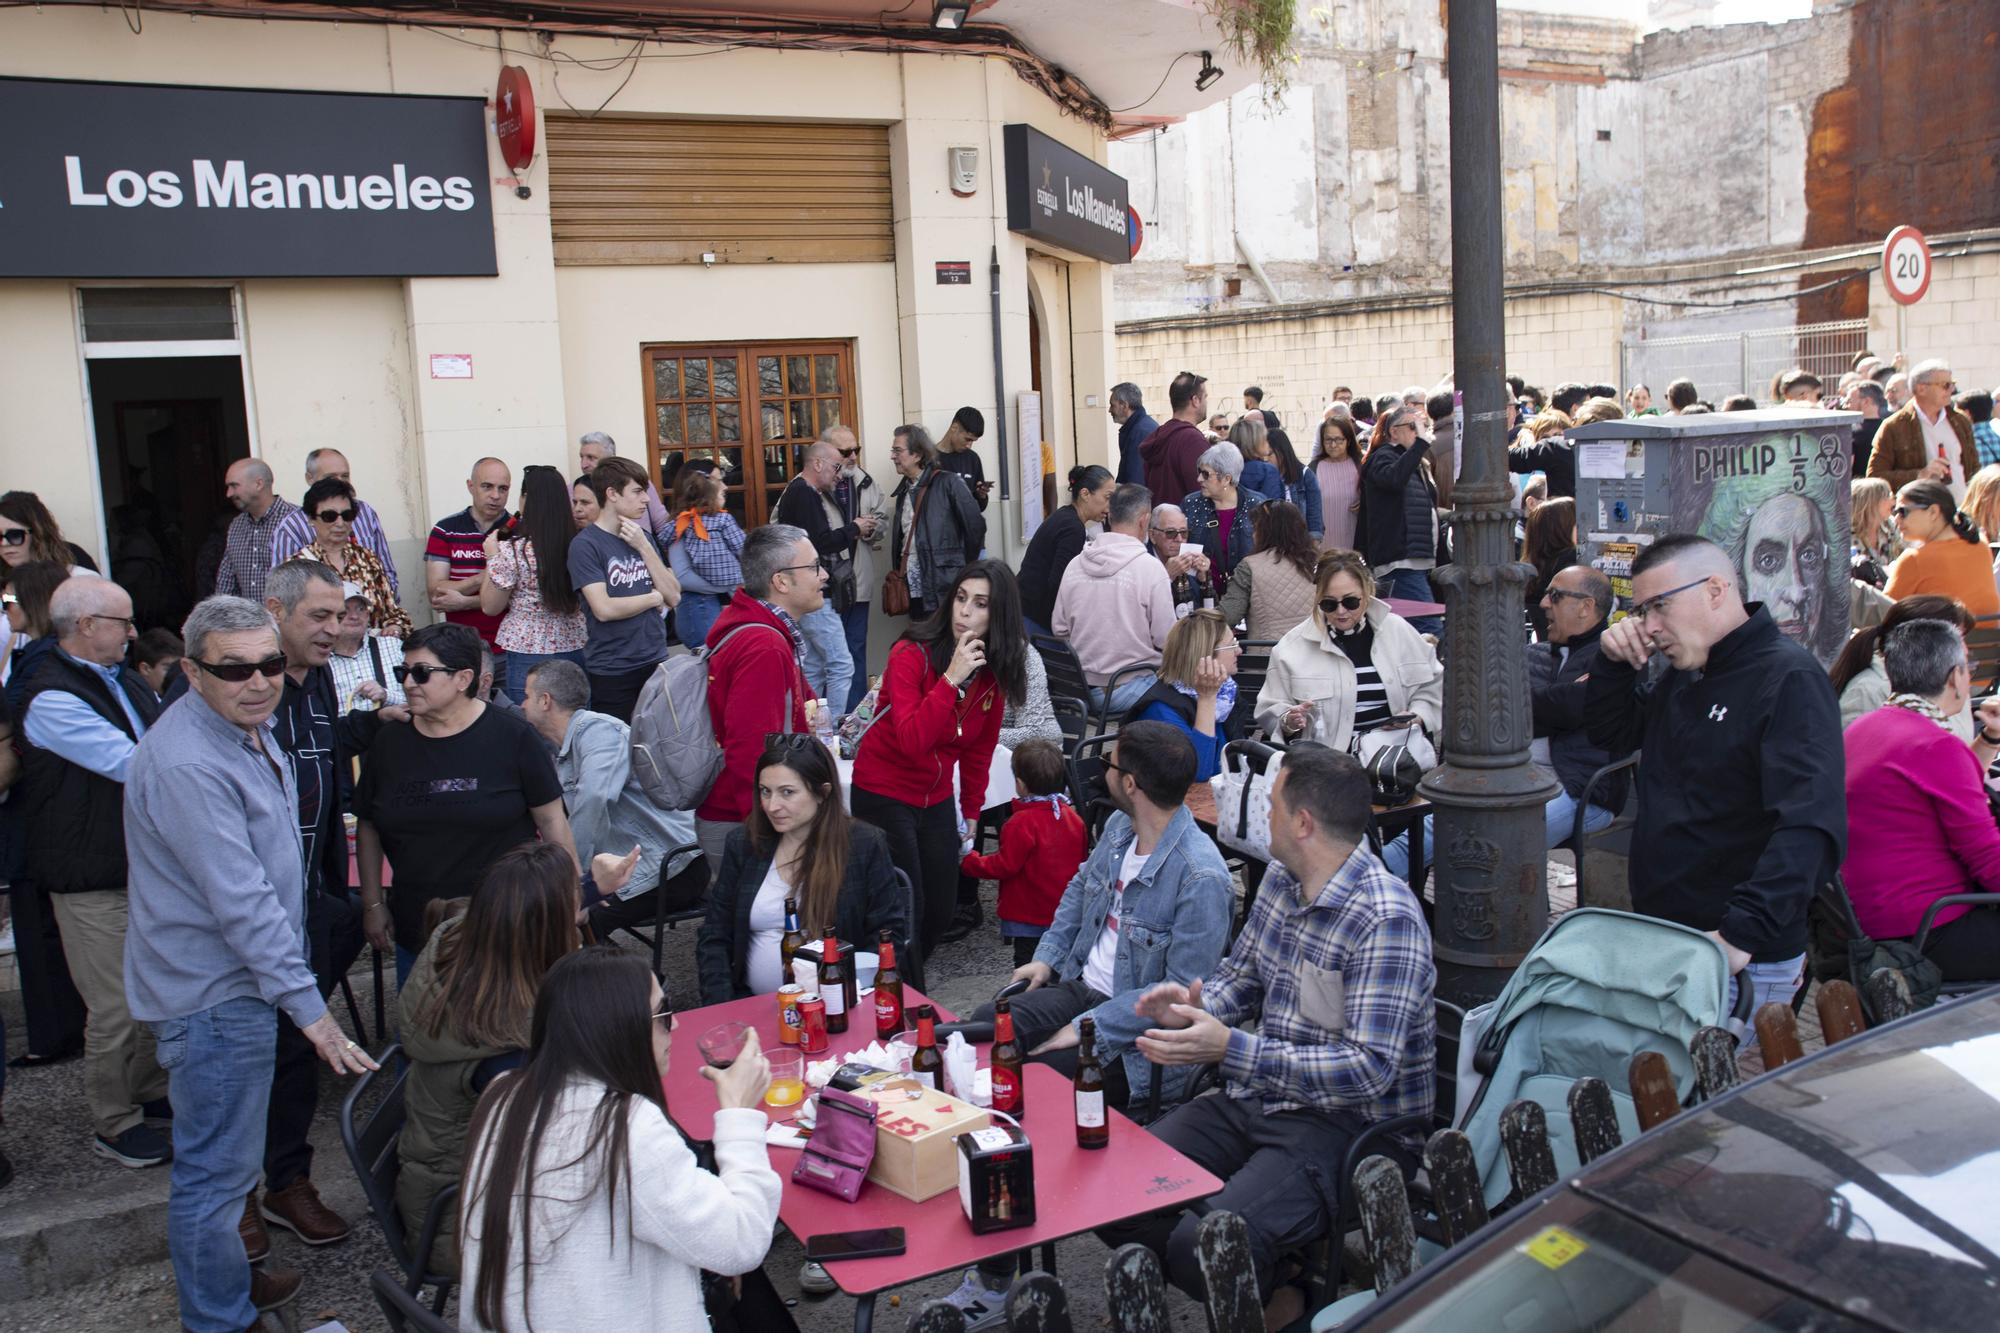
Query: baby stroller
[1597, 989]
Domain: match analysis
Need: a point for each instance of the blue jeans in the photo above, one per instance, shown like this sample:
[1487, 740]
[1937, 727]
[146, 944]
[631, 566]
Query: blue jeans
[694, 617]
[1128, 692]
[855, 620]
[1396, 852]
[219, 1064]
[828, 665]
[1411, 585]
[1770, 983]
[515, 681]
[1561, 815]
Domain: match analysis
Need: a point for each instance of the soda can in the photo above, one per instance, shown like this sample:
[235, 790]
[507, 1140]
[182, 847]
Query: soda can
[788, 1013]
[812, 1024]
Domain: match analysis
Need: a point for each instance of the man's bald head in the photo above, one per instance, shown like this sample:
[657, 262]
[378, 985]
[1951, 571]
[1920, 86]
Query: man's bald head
[92, 618]
[488, 485]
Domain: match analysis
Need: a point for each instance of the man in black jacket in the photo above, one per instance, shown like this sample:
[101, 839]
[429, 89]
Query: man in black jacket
[829, 663]
[1135, 426]
[1742, 801]
[1578, 605]
[82, 718]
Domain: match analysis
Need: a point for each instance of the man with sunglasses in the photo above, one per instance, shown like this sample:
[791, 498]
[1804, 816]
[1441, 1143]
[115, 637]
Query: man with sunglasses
[1926, 437]
[218, 945]
[1578, 606]
[82, 718]
[1187, 566]
[1742, 811]
[829, 662]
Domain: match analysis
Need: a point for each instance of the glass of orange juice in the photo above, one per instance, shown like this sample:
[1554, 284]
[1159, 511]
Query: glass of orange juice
[788, 1078]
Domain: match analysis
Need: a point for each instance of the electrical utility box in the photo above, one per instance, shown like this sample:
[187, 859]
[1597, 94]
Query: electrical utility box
[1770, 487]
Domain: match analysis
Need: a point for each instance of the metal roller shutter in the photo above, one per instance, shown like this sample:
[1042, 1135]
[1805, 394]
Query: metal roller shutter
[646, 191]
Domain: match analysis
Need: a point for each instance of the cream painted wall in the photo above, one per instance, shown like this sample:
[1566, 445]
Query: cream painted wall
[1955, 320]
[44, 428]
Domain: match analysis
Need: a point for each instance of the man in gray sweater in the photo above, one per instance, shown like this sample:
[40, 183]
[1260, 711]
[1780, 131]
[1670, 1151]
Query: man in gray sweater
[217, 945]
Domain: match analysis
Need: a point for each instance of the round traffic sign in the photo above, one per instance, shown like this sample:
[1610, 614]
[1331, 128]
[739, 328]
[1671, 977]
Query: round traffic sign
[1906, 265]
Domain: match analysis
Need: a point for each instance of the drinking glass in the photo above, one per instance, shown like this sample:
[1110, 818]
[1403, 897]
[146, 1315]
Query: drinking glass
[721, 1044]
[788, 1078]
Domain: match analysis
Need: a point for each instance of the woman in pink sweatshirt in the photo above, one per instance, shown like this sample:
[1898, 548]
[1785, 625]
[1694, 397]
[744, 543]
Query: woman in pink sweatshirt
[1919, 824]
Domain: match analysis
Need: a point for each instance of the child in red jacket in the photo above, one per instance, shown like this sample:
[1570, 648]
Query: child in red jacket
[1041, 845]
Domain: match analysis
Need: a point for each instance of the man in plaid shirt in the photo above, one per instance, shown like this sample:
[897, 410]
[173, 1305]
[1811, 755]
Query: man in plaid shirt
[1335, 968]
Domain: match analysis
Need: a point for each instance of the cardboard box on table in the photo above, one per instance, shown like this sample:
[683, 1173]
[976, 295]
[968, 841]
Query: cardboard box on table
[914, 1128]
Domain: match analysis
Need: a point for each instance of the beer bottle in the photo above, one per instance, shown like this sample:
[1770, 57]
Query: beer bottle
[888, 990]
[1093, 1130]
[927, 1065]
[793, 941]
[1009, 1089]
[836, 985]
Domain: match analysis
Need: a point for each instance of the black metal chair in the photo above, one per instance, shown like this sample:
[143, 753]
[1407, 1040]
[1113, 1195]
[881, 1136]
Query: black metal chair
[1989, 901]
[401, 1309]
[371, 1147]
[1087, 790]
[1068, 681]
[1073, 716]
[1602, 857]
[1253, 663]
[663, 920]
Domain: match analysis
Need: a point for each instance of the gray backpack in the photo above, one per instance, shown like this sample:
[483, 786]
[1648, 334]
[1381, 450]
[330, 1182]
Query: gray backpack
[674, 751]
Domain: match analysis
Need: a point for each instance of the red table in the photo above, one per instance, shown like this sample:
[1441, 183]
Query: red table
[1410, 610]
[1075, 1190]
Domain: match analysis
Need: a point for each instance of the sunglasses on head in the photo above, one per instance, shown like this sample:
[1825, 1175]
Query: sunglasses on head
[337, 515]
[789, 740]
[238, 672]
[421, 672]
[13, 536]
[1351, 602]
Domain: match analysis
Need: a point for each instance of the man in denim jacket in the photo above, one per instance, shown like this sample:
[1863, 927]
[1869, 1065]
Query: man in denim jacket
[1152, 904]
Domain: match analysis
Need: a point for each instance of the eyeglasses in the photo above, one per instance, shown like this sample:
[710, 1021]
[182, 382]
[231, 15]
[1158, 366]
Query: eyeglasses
[1658, 605]
[851, 453]
[336, 515]
[9, 599]
[127, 620]
[1180, 533]
[238, 672]
[422, 672]
[1351, 602]
[664, 1019]
[1557, 594]
[13, 536]
[787, 569]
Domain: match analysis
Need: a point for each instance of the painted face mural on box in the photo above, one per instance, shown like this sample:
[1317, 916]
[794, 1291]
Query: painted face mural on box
[1777, 501]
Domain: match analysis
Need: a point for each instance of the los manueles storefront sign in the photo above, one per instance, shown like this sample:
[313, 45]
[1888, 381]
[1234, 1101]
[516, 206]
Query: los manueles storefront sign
[1058, 195]
[112, 180]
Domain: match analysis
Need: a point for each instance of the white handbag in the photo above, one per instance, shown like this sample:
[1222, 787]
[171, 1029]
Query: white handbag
[1243, 805]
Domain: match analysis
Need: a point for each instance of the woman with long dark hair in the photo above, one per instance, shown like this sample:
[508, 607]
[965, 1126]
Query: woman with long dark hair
[29, 532]
[1058, 540]
[706, 554]
[1947, 554]
[1550, 546]
[527, 581]
[799, 843]
[583, 1206]
[1336, 470]
[1295, 484]
[1859, 677]
[945, 689]
[467, 1011]
[1272, 587]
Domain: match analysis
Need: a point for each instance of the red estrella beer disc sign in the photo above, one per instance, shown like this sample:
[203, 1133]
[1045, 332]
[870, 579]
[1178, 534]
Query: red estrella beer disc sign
[514, 117]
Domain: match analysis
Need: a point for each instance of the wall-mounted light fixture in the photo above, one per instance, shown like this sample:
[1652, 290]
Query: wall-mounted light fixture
[1210, 72]
[950, 15]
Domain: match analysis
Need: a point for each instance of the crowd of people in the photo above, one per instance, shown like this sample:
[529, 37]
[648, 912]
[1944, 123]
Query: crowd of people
[204, 828]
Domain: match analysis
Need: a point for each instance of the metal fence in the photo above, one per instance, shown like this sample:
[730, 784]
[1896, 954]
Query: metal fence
[1721, 364]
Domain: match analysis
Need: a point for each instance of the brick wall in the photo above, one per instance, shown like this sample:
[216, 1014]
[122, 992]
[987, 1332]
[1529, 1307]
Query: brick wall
[1954, 320]
[1298, 361]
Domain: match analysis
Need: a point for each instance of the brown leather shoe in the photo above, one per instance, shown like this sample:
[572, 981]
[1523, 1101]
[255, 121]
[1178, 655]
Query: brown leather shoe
[256, 1240]
[299, 1209]
[273, 1287]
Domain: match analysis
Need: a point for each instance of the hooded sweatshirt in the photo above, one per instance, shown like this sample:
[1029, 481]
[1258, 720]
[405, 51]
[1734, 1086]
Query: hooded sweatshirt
[1115, 606]
[1170, 455]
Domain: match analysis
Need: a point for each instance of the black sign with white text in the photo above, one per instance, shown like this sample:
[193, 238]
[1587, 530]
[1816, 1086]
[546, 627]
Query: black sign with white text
[138, 180]
[1058, 195]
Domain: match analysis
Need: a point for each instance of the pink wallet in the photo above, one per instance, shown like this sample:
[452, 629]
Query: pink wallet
[837, 1157]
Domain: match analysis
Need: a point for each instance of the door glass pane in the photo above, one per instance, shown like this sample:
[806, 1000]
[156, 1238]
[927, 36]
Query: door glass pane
[770, 377]
[731, 461]
[701, 429]
[774, 463]
[801, 415]
[666, 378]
[797, 374]
[829, 412]
[725, 377]
[669, 415]
[728, 419]
[773, 421]
[826, 374]
[696, 377]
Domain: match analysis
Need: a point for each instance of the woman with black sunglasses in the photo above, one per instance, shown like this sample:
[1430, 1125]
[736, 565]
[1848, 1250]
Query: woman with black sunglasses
[331, 508]
[444, 794]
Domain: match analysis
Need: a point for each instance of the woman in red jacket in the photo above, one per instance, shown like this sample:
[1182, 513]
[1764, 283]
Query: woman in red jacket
[947, 683]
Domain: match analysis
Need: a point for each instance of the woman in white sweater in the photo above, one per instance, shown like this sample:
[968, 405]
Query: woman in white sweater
[622, 1220]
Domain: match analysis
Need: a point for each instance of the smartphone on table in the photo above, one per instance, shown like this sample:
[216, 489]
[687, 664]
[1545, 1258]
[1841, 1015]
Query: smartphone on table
[833, 1246]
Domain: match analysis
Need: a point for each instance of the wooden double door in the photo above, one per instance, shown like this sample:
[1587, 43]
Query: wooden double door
[751, 407]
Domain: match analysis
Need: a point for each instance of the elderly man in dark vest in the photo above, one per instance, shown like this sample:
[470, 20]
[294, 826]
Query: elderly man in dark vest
[82, 718]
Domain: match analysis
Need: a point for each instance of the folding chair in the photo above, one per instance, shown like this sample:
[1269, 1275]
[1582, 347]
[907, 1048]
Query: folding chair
[663, 920]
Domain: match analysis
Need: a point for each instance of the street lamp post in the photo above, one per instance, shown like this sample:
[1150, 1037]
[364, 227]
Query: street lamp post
[1491, 856]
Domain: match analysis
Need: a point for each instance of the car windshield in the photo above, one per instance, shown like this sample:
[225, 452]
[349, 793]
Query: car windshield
[1569, 1266]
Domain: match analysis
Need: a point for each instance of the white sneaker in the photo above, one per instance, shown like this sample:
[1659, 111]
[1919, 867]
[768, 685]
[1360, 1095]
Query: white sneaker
[982, 1306]
[814, 1280]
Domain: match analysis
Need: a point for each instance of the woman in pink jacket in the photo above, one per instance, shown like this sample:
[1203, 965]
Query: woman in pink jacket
[1919, 824]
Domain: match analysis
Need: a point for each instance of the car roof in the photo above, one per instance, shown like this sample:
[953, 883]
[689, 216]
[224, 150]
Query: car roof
[1866, 1176]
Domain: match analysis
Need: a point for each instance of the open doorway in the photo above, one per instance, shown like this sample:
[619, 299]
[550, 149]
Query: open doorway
[167, 430]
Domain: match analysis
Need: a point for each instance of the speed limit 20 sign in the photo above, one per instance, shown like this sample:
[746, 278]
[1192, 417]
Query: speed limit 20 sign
[1906, 265]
